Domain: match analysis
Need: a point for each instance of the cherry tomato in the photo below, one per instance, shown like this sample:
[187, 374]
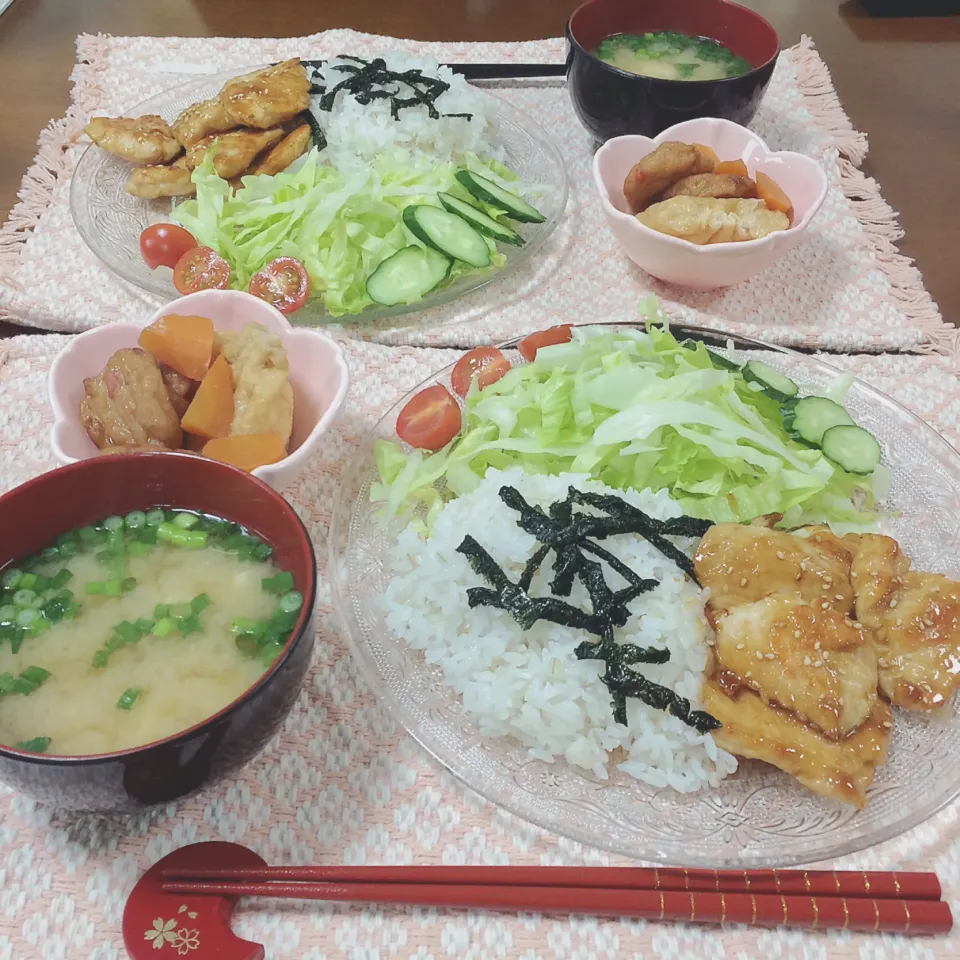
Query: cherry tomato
[201, 268]
[529, 346]
[282, 282]
[487, 364]
[430, 420]
[163, 244]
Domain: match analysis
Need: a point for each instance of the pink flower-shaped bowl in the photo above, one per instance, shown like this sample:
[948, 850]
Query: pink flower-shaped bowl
[318, 374]
[713, 265]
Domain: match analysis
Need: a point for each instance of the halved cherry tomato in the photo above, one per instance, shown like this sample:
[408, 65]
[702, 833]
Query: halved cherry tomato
[487, 364]
[283, 283]
[529, 346]
[163, 244]
[201, 268]
[430, 420]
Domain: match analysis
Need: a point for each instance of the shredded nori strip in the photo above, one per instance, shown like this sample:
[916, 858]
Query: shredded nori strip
[569, 537]
[316, 132]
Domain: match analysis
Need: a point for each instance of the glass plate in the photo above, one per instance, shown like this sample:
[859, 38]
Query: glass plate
[111, 221]
[759, 817]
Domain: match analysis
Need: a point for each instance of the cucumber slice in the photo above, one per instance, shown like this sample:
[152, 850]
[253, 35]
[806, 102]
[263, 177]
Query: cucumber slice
[487, 191]
[480, 221]
[407, 276]
[852, 448]
[774, 383]
[810, 418]
[448, 233]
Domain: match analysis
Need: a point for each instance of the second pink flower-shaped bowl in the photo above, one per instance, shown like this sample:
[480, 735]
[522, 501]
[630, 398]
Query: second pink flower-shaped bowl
[715, 265]
[318, 374]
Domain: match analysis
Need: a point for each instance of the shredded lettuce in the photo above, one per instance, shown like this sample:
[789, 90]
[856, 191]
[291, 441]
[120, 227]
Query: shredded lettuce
[634, 410]
[340, 225]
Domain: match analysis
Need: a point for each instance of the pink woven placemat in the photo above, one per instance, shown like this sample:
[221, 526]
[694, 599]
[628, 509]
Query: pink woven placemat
[342, 784]
[845, 288]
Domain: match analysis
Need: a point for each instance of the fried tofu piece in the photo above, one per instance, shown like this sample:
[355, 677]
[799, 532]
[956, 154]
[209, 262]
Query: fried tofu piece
[743, 563]
[816, 663]
[139, 140]
[235, 151]
[200, 120]
[719, 185]
[268, 97]
[152, 182]
[706, 220]
[670, 162]
[837, 769]
[127, 404]
[915, 619]
[278, 158]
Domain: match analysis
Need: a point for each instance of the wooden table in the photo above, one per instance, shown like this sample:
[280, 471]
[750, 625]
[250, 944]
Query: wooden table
[897, 79]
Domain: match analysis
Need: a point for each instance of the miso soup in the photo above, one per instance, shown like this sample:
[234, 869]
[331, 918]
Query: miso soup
[671, 56]
[136, 628]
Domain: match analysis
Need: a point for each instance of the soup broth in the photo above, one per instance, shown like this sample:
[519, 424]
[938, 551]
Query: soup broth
[119, 637]
[671, 56]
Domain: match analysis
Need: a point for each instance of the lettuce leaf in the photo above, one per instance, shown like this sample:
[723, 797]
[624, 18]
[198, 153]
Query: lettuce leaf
[341, 226]
[637, 409]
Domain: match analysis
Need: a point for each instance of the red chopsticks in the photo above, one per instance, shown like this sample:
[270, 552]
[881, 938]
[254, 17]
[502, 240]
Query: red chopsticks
[906, 903]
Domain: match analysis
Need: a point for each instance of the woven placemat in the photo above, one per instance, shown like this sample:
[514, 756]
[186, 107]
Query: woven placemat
[844, 288]
[343, 784]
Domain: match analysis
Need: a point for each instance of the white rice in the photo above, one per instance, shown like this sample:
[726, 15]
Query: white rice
[529, 685]
[356, 133]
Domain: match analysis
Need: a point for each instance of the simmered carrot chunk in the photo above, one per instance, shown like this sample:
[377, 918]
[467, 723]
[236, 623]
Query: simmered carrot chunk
[247, 451]
[734, 168]
[210, 413]
[184, 343]
[770, 192]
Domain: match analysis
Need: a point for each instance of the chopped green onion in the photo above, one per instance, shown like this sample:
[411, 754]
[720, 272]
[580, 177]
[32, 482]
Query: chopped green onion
[27, 599]
[143, 625]
[291, 602]
[42, 583]
[130, 583]
[247, 644]
[10, 578]
[164, 627]
[117, 568]
[16, 641]
[155, 518]
[281, 583]
[246, 625]
[94, 587]
[90, 535]
[135, 520]
[114, 587]
[180, 610]
[36, 745]
[188, 625]
[179, 537]
[127, 631]
[49, 553]
[100, 658]
[7, 683]
[34, 675]
[128, 697]
[200, 602]
[54, 610]
[137, 548]
[61, 579]
[71, 610]
[263, 552]
[8, 613]
[161, 610]
[105, 557]
[271, 651]
[148, 535]
[113, 523]
[186, 521]
[26, 617]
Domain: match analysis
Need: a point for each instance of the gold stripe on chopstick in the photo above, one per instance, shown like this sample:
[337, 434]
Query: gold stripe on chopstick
[816, 912]
[753, 909]
[846, 914]
[836, 880]
[723, 909]
[866, 882]
[906, 912]
[806, 881]
[656, 879]
[876, 916]
[783, 903]
[716, 879]
[662, 908]
[746, 879]
[896, 883]
[776, 880]
[693, 908]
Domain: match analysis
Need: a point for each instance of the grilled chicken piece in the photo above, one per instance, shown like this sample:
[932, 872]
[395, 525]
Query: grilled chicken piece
[157, 181]
[127, 405]
[235, 151]
[200, 120]
[915, 618]
[671, 161]
[278, 158]
[719, 185]
[816, 663]
[838, 769]
[268, 97]
[740, 564]
[706, 220]
[140, 140]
